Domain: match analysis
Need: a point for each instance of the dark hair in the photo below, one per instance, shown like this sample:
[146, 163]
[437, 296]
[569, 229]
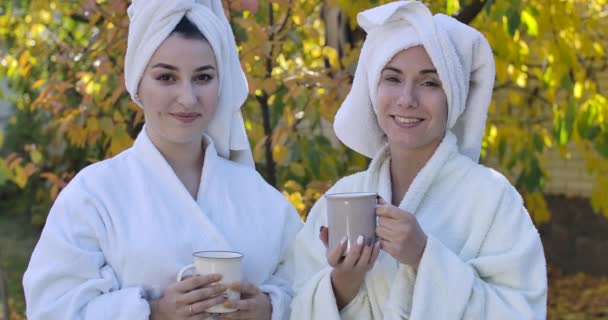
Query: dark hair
[188, 30]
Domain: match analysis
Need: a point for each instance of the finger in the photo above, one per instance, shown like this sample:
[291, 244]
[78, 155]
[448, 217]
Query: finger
[197, 281]
[242, 305]
[335, 255]
[204, 293]
[386, 221]
[324, 236]
[201, 306]
[246, 288]
[353, 254]
[384, 233]
[366, 253]
[375, 254]
[388, 211]
[381, 201]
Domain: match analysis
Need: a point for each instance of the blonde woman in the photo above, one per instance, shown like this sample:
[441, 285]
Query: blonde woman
[454, 238]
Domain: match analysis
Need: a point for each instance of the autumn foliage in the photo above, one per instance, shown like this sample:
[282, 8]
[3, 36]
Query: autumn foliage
[63, 63]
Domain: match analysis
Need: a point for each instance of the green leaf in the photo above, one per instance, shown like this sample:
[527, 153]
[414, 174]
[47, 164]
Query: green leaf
[569, 119]
[601, 145]
[538, 142]
[5, 173]
[513, 20]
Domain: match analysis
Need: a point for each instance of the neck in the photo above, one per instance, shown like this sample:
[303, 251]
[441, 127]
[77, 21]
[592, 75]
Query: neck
[185, 159]
[405, 165]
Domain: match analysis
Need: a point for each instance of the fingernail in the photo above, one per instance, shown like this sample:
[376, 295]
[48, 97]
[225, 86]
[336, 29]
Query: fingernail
[343, 241]
[217, 277]
[360, 240]
[369, 242]
[320, 228]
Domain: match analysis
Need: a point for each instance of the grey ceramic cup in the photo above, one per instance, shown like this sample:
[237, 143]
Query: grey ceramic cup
[350, 215]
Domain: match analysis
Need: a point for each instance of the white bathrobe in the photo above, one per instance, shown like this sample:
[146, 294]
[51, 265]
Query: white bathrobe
[483, 259]
[120, 231]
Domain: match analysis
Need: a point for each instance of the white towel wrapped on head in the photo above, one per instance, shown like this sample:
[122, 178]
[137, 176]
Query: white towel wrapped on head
[152, 21]
[461, 55]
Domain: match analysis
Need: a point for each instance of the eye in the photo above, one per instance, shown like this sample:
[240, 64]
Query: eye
[431, 83]
[204, 77]
[165, 77]
[392, 79]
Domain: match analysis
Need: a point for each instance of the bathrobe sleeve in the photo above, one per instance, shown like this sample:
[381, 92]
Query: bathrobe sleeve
[278, 286]
[68, 276]
[314, 293]
[506, 280]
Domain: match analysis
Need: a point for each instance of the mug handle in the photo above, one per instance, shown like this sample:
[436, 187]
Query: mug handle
[180, 275]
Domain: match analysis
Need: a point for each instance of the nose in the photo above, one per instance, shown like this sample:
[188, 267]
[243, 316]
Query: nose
[187, 96]
[408, 97]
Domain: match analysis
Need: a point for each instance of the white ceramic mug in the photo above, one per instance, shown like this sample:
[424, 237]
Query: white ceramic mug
[226, 263]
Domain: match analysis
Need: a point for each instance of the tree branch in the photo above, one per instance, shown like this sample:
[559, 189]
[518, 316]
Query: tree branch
[468, 13]
[263, 100]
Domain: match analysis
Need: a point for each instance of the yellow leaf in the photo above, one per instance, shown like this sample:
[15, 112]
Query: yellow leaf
[36, 156]
[38, 83]
[332, 55]
[120, 141]
[578, 90]
[19, 177]
[297, 169]
[452, 6]
[537, 206]
[92, 124]
[530, 23]
[279, 154]
[599, 49]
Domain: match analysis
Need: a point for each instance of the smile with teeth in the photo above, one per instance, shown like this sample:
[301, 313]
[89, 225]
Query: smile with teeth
[407, 120]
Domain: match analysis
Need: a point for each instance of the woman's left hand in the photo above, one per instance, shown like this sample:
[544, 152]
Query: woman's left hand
[254, 304]
[401, 235]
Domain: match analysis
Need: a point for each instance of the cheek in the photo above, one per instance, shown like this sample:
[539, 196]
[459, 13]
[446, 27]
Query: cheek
[209, 95]
[383, 98]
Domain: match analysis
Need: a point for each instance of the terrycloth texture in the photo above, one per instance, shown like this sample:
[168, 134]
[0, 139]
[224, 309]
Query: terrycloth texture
[483, 259]
[151, 23]
[460, 54]
[123, 228]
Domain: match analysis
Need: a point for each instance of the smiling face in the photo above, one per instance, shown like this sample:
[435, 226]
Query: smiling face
[411, 103]
[179, 90]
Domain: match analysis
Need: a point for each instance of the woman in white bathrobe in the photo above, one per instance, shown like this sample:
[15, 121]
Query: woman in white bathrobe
[118, 234]
[454, 238]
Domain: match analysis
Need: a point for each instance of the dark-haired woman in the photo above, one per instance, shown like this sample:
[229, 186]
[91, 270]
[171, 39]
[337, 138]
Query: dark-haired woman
[121, 230]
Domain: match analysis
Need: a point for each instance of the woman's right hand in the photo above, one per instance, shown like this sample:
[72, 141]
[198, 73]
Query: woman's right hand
[349, 271]
[189, 298]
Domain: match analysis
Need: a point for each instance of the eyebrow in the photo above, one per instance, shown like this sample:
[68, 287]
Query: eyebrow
[424, 71]
[170, 67]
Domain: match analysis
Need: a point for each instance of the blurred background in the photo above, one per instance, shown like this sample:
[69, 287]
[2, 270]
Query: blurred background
[63, 106]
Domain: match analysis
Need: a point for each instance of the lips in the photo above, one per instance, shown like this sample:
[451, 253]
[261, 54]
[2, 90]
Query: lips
[406, 122]
[185, 117]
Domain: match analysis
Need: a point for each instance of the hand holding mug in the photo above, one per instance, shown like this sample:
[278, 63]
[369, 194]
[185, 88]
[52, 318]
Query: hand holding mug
[224, 263]
[401, 235]
[349, 268]
[254, 304]
[189, 297]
